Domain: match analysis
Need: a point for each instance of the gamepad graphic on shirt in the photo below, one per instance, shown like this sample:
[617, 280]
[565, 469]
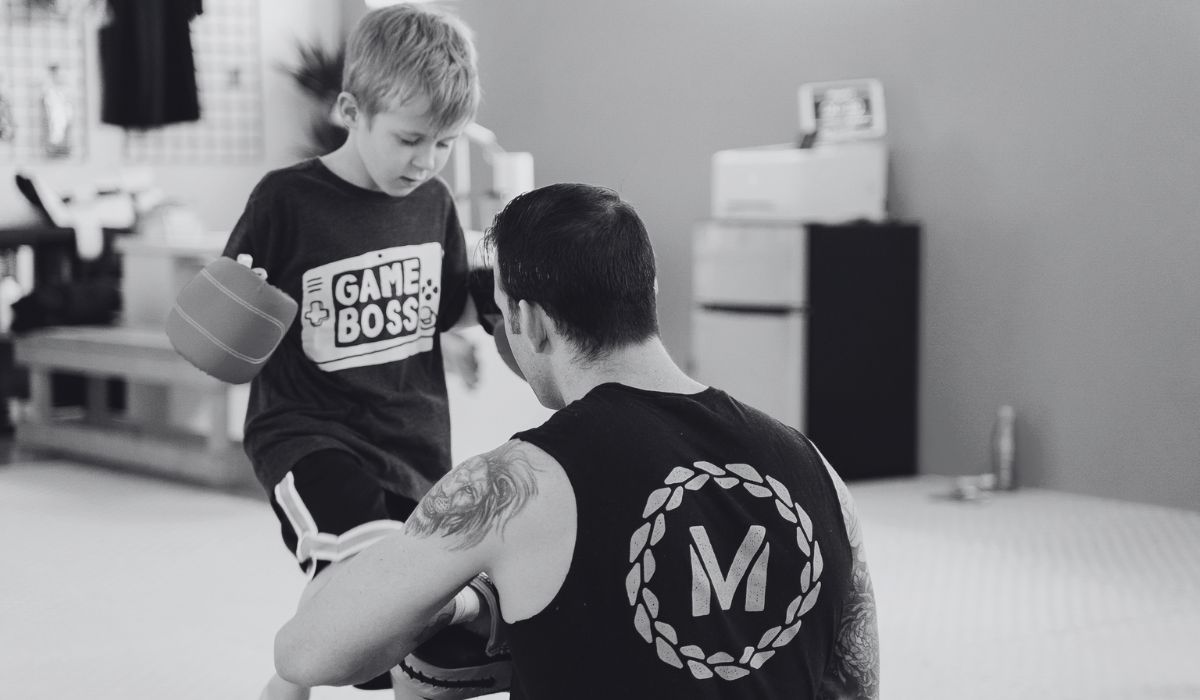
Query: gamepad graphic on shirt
[373, 308]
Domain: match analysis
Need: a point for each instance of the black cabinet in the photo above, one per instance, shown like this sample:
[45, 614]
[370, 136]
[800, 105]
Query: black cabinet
[861, 355]
[816, 324]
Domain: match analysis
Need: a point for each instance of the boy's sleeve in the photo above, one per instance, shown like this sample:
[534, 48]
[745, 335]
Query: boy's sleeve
[249, 234]
[454, 273]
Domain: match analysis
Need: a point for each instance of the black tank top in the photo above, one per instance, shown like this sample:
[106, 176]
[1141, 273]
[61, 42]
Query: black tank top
[711, 558]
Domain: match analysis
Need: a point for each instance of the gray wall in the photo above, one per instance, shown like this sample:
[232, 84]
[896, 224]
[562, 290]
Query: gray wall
[1051, 150]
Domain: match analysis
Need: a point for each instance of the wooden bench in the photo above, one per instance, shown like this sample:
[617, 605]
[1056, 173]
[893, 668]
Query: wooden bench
[140, 356]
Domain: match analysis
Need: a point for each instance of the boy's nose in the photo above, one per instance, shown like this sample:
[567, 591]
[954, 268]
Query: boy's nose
[424, 158]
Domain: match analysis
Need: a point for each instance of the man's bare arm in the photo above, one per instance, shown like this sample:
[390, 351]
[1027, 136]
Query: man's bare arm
[377, 607]
[853, 672]
[478, 499]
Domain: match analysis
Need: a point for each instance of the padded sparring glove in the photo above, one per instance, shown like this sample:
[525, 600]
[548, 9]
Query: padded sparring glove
[227, 320]
[456, 663]
[479, 283]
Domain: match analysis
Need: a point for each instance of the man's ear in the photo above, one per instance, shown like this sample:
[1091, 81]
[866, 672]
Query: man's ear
[347, 110]
[534, 324]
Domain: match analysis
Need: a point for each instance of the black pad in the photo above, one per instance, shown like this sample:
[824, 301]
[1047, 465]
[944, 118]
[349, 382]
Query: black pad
[480, 282]
[456, 663]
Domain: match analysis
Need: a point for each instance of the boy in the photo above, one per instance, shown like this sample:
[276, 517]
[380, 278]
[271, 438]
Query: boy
[348, 423]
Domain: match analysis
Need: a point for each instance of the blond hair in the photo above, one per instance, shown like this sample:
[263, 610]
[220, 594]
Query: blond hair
[403, 52]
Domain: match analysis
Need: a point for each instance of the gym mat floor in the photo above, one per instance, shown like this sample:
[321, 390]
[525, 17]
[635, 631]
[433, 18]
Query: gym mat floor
[119, 586]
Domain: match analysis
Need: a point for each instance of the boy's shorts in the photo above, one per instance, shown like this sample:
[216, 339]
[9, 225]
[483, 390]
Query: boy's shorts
[329, 509]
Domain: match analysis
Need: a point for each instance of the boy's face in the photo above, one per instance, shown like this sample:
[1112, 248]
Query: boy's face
[400, 149]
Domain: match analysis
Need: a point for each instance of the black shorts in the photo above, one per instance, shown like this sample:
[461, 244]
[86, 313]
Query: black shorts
[329, 509]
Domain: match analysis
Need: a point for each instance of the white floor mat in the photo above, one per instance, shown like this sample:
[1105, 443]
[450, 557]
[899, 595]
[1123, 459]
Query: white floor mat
[126, 588]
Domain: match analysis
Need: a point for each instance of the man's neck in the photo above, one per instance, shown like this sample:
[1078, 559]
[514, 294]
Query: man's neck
[644, 366]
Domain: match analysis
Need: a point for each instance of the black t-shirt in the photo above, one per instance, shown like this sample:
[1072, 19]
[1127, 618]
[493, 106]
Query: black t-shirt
[146, 63]
[377, 278]
[711, 558]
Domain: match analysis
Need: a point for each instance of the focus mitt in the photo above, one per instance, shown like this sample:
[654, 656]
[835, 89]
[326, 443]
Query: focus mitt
[457, 663]
[227, 320]
[480, 283]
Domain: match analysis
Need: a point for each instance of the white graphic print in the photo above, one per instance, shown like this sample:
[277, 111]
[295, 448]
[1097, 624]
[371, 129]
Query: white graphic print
[749, 564]
[707, 576]
[373, 308]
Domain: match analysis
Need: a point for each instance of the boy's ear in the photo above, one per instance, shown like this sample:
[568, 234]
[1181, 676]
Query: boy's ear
[348, 110]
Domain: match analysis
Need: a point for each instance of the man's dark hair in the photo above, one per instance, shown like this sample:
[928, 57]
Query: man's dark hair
[584, 256]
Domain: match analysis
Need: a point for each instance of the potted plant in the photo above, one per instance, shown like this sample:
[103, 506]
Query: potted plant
[318, 73]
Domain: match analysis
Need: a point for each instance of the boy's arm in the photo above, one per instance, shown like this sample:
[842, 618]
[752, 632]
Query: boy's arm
[377, 607]
[853, 671]
[469, 317]
[250, 227]
[465, 362]
[482, 309]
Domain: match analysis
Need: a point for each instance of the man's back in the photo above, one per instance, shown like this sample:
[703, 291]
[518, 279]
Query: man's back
[711, 559]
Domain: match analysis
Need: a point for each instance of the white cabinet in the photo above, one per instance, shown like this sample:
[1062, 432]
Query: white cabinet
[757, 357]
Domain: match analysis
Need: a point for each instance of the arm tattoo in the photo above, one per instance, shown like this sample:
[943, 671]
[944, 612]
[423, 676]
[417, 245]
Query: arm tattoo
[853, 671]
[480, 496]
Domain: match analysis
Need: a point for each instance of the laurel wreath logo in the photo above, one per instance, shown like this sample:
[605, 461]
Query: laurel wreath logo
[662, 635]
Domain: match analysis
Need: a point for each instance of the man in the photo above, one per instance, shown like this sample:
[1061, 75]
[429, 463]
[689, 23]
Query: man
[655, 538]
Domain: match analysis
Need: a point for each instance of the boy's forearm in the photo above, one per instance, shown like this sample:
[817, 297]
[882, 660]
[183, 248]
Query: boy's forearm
[469, 317]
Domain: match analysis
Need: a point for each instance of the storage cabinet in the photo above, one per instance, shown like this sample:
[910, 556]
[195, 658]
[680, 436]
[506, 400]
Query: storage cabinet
[816, 324]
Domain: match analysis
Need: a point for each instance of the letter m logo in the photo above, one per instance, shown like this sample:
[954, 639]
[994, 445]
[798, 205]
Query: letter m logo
[749, 563]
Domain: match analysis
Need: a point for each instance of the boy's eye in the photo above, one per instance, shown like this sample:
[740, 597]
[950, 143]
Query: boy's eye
[445, 144]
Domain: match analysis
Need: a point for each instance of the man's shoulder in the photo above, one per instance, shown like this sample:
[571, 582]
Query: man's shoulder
[521, 451]
[519, 467]
[483, 494]
[576, 417]
[517, 458]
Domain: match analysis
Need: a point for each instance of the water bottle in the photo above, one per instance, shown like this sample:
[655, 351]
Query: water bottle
[1004, 449]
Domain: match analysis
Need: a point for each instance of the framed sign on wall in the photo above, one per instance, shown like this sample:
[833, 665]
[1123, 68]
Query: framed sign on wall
[843, 110]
